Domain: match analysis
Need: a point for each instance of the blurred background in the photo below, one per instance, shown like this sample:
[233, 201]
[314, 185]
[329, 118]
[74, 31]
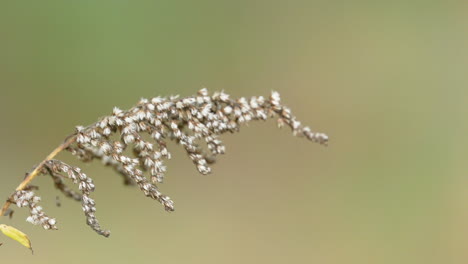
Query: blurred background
[386, 80]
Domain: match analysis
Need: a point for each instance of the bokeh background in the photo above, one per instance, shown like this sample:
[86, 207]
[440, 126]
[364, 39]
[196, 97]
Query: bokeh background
[387, 81]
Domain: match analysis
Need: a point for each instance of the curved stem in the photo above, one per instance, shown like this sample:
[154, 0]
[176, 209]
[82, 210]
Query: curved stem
[38, 169]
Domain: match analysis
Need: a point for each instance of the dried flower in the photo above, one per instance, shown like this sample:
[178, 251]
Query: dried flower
[188, 121]
[26, 198]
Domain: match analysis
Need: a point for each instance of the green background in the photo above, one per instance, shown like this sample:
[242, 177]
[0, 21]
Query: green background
[386, 80]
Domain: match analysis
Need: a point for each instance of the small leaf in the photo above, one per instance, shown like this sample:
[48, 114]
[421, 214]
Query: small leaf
[17, 235]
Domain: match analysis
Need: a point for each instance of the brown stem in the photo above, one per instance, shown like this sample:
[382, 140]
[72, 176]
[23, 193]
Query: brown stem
[70, 140]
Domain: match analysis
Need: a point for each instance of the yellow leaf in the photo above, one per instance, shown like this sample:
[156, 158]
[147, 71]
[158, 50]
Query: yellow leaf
[17, 235]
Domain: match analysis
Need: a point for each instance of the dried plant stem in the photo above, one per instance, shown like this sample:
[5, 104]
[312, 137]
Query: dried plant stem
[188, 121]
[38, 169]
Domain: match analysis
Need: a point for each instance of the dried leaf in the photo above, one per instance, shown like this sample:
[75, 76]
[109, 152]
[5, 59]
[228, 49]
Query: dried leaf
[17, 235]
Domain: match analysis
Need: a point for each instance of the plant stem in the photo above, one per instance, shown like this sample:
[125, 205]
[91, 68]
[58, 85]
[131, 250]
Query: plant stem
[70, 140]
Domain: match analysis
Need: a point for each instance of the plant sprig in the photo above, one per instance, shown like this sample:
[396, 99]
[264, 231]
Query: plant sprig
[191, 122]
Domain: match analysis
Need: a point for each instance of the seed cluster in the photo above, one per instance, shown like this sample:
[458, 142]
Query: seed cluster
[26, 198]
[194, 122]
[58, 170]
